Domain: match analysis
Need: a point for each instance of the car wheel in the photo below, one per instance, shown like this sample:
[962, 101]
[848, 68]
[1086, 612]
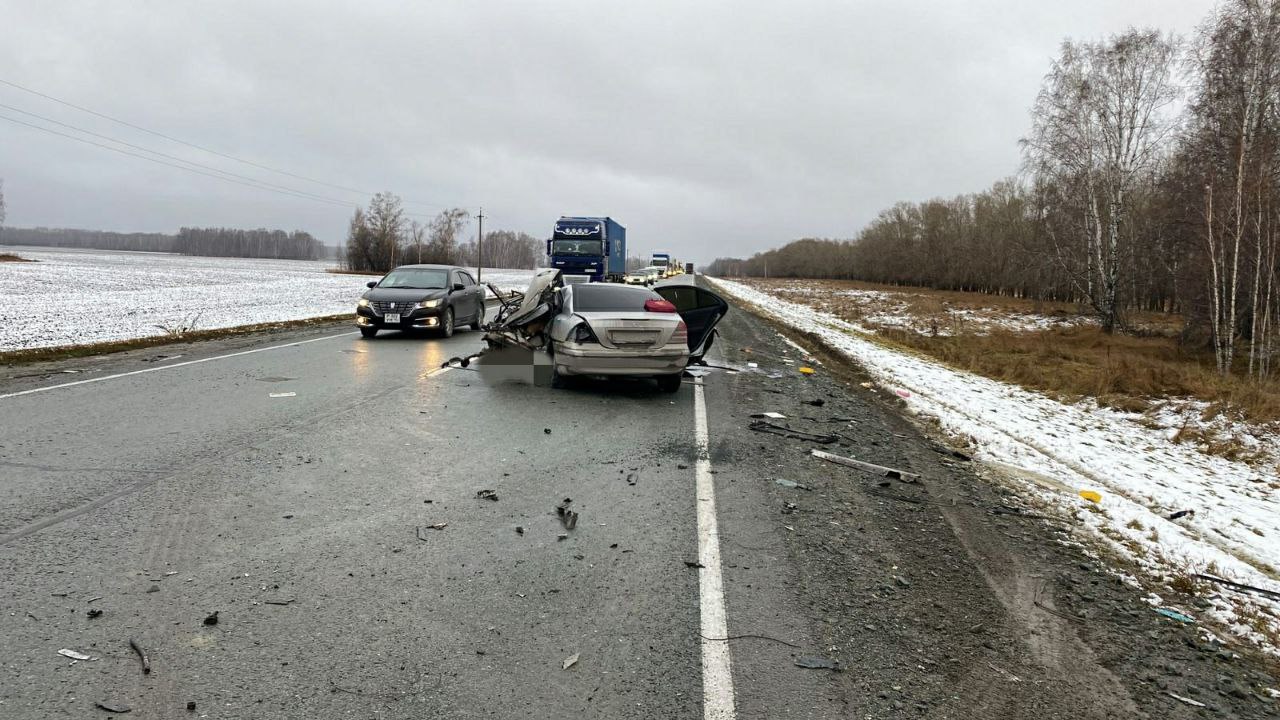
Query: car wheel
[368, 332]
[446, 328]
[479, 318]
[669, 383]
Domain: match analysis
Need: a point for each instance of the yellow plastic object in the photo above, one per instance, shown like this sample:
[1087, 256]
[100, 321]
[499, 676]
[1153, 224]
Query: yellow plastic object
[806, 371]
[1091, 496]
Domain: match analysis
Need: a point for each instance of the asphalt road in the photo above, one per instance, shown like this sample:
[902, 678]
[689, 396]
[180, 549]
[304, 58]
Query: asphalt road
[162, 489]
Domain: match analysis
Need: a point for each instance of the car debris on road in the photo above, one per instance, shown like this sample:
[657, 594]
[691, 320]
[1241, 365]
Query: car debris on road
[903, 475]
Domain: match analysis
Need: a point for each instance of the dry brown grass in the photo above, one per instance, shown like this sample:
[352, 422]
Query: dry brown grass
[10, 257]
[340, 271]
[1068, 361]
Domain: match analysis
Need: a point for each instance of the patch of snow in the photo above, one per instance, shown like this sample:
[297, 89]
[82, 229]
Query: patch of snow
[1060, 449]
[74, 297]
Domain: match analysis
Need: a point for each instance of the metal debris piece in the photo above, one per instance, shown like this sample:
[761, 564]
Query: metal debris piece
[283, 394]
[142, 655]
[212, 619]
[439, 526]
[568, 517]
[569, 662]
[93, 613]
[881, 470]
[770, 415]
[768, 427]
[66, 652]
[487, 495]
[1239, 586]
[792, 484]
[816, 402]
[1181, 514]
[694, 564]
[277, 602]
[112, 707]
[814, 662]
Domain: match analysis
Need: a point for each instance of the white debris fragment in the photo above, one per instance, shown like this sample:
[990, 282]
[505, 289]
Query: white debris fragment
[65, 652]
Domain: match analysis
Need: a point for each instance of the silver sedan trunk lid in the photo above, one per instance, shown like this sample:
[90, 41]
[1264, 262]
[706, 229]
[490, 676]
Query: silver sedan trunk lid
[639, 330]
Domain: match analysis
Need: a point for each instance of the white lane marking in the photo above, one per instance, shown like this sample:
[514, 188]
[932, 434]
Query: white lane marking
[717, 675]
[170, 367]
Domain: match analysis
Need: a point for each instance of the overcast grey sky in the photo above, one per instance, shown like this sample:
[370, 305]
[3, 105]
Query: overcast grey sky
[707, 128]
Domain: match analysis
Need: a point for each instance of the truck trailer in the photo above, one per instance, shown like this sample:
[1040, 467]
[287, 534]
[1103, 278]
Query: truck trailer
[588, 249]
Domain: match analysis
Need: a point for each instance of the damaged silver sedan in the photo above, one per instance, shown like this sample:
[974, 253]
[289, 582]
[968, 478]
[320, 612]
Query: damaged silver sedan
[605, 329]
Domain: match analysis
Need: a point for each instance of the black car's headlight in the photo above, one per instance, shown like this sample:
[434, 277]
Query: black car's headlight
[362, 302]
[426, 304]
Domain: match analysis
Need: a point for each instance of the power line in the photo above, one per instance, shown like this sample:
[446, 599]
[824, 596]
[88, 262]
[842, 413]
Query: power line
[201, 148]
[170, 157]
[252, 184]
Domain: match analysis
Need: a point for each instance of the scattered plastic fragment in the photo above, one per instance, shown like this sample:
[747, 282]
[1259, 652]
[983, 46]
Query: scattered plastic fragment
[1181, 514]
[1091, 496]
[753, 365]
[569, 662]
[771, 415]
[694, 564]
[283, 394]
[806, 370]
[93, 613]
[487, 495]
[903, 393]
[1175, 615]
[65, 652]
[792, 484]
[814, 662]
[1187, 700]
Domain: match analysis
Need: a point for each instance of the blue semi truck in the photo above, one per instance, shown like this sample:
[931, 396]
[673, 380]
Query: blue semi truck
[588, 249]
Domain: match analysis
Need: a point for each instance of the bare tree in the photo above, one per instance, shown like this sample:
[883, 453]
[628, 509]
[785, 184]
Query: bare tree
[444, 231]
[1100, 124]
[1233, 142]
[2, 202]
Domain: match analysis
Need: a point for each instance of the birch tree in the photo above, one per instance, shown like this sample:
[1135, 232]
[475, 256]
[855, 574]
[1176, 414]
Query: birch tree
[1233, 141]
[1100, 123]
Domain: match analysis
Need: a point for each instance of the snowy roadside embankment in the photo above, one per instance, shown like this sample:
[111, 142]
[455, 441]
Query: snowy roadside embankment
[1060, 449]
[76, 297]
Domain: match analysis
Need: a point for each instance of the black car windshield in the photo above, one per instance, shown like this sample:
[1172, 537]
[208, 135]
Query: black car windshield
[576, 247]
[416, 278]
[603, 297]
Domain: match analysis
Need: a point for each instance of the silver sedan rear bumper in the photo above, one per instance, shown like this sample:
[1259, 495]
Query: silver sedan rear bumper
[590, 359]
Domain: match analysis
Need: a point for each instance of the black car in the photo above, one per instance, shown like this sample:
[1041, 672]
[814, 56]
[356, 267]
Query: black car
[433, 297]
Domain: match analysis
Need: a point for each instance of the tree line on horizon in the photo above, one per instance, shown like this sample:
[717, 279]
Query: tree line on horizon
[382, 236]
[1130, 199]
[211, 242]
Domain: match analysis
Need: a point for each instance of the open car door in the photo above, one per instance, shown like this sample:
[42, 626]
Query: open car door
[701, 310]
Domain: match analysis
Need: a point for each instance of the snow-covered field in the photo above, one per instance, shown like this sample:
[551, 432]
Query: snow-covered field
[74, 297]
[1057, 450]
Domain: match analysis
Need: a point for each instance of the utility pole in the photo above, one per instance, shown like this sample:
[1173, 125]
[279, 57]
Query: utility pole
[480, 246]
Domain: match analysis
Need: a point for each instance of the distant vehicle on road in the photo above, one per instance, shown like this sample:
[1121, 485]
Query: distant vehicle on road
[662, 260]
[621, 330]
[588, 249]
[654, 273]
[434, 297]
[688, 268]
[637, 277]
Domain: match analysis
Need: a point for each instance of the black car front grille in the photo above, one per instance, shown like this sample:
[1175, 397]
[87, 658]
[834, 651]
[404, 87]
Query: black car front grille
[382, 307]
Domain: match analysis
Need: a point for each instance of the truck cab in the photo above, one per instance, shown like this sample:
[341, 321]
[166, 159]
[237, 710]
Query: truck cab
[588, 249]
